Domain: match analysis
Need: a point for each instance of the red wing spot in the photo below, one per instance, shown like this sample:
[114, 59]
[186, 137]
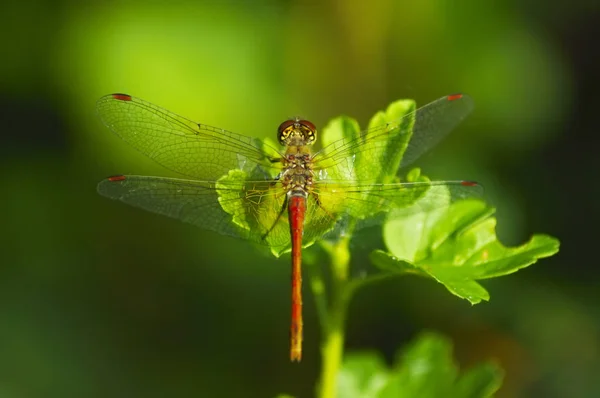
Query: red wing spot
[454, 97]
[468, 183]
[116, 178]
[122, 97]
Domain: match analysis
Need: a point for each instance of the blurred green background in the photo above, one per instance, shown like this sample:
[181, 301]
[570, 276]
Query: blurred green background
[98, 299]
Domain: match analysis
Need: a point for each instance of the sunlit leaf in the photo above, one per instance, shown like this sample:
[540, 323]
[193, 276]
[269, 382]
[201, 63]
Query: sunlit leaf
[456, 246]
[384, 155]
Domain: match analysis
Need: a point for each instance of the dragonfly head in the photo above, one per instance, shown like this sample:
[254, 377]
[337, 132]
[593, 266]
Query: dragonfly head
[296, 132]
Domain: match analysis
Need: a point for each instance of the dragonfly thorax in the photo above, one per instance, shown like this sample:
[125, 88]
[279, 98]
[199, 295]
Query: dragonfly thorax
[297, 175]
[296, 132]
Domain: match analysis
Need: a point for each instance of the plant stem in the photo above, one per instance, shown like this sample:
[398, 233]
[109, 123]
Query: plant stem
[333, 316]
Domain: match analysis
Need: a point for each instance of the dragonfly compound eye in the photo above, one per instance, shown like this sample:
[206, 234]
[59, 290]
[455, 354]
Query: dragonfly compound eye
[285, 130]
[310, 131]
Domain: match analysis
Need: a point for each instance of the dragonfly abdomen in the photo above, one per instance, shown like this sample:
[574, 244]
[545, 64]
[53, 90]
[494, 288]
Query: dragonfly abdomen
[296, 211]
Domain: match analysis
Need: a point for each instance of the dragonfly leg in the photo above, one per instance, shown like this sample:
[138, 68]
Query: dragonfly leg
[315, 196]
[283, 207]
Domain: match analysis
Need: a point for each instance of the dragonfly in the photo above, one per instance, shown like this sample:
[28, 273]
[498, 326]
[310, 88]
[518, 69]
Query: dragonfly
[284, 196]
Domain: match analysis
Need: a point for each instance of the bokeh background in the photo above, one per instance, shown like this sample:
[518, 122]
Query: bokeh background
[98, 299]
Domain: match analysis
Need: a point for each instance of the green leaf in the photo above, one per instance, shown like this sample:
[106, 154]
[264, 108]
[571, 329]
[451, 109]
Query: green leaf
[254, 219]
[362, 375]
[231, 189]
[456, 246]
[345, 129]
[340, 128]
[400, 119]
[384, 153]
[423, 369]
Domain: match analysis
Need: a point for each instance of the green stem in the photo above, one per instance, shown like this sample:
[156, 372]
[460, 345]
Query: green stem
[332, 317]
[332, 312]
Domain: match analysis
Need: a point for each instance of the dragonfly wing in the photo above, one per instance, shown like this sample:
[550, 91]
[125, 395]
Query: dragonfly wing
[192, 149]
[432, 123]
[243, 209]
[370, 203]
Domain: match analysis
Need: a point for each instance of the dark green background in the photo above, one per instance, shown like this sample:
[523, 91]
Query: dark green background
[98, 299]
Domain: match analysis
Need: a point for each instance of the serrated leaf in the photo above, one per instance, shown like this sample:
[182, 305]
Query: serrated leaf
[456, 246]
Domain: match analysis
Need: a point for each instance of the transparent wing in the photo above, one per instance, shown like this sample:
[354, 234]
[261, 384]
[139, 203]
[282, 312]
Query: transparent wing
[192, 149]
[369, 203]
[256, 211]
[248, 210]
[432, 123]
